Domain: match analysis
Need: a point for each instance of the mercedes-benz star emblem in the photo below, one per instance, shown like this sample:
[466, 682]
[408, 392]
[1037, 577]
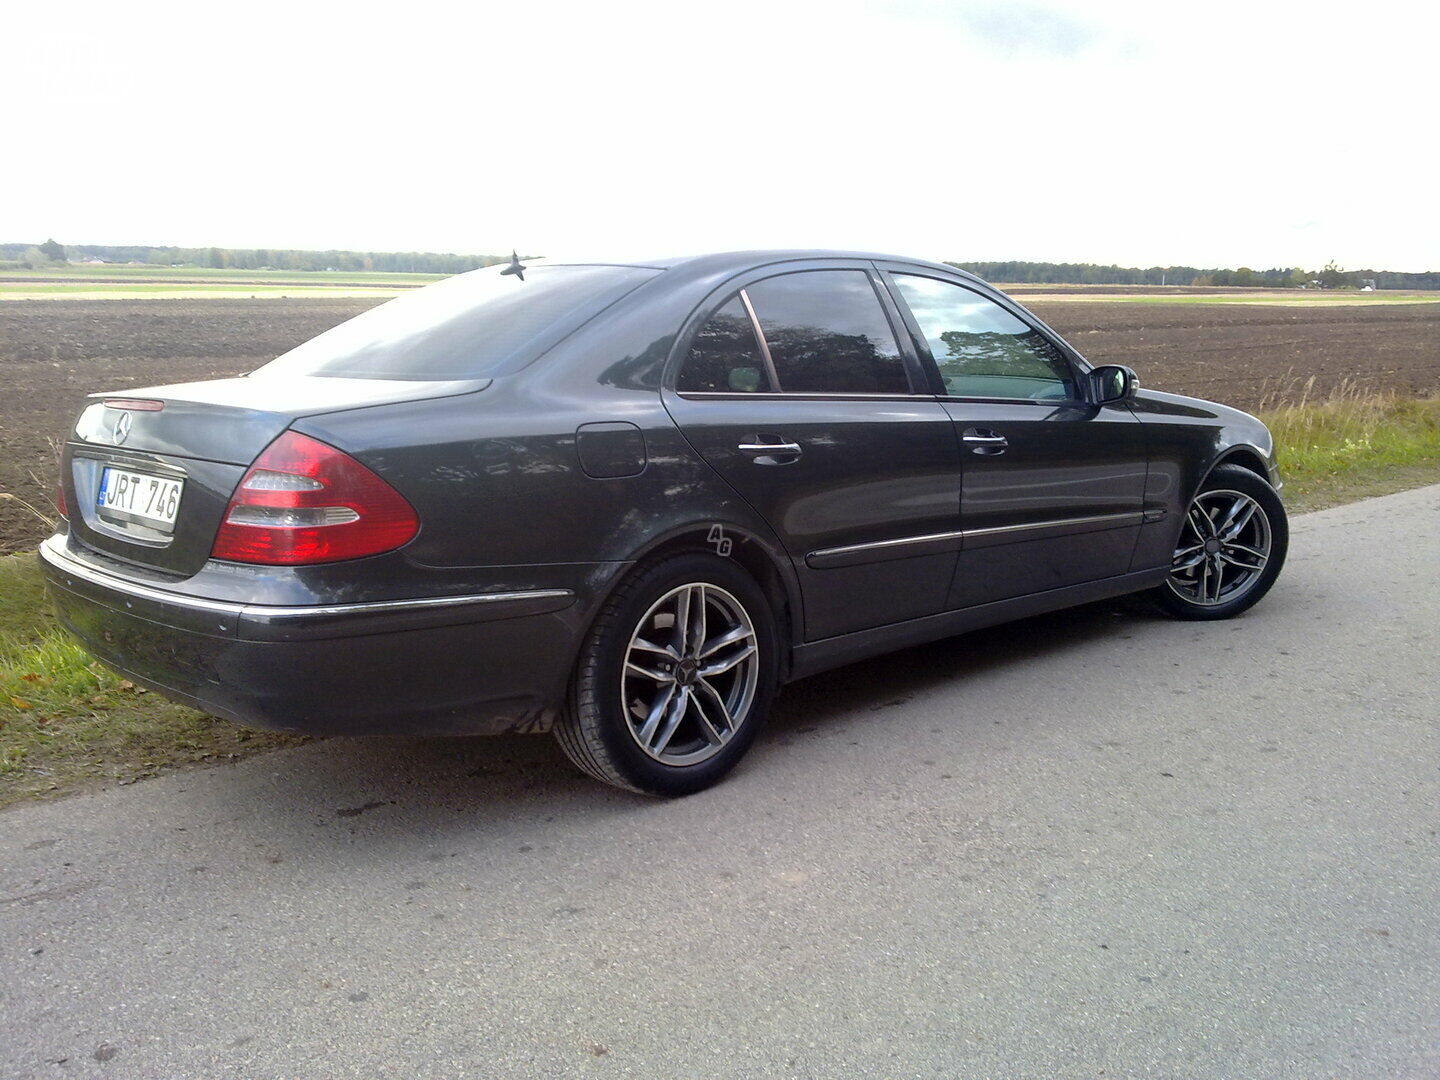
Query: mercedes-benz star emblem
[122, 428]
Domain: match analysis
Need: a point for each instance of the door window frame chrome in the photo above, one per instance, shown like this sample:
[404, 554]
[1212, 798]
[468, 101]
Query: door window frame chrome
[916, 375]
[769, 361]
[1079, 367]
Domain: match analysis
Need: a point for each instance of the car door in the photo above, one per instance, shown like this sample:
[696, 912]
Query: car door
[1053, 486]
[793, 385]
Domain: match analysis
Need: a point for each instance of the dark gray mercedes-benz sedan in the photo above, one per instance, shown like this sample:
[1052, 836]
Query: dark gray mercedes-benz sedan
[625, 502]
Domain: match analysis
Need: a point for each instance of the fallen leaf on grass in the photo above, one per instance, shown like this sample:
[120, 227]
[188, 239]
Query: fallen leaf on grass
[20, 703]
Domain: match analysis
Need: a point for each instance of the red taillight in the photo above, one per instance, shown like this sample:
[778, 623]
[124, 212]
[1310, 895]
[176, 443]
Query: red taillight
[303, 501]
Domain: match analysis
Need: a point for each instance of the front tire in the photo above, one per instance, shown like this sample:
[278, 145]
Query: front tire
[1232, 545]
[674, 678]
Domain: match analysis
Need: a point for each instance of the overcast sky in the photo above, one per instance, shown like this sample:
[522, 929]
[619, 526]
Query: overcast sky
[1215, 134]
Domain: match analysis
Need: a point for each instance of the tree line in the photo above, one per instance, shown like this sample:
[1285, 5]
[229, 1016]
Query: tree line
[1330, 276]
[51, 253]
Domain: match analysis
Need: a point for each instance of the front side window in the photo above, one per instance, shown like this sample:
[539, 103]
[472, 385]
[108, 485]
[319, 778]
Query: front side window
[725, 356]
[828, 334]
[980, 348]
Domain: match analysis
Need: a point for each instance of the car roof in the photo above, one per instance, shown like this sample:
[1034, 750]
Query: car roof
[735, 261]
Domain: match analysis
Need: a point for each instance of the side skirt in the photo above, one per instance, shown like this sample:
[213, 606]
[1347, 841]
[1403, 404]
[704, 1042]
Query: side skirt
[813, 657]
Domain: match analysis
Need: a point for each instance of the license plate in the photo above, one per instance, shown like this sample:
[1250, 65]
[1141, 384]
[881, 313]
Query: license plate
[139, 497]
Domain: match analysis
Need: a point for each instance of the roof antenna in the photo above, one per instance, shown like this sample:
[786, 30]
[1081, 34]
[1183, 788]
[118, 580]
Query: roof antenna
[514, 267]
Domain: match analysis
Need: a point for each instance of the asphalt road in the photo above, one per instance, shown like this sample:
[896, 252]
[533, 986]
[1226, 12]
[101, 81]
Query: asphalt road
[1092, 844]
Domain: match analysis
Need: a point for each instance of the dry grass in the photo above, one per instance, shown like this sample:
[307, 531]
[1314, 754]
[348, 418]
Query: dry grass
[1352, 444]
[44, 518]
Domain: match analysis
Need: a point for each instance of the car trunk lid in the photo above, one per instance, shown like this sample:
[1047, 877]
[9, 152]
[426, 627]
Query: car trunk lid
[149, 472]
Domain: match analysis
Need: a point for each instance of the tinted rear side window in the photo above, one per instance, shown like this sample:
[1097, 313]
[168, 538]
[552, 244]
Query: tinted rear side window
[828, 334]
[725, 356]
[464, 327]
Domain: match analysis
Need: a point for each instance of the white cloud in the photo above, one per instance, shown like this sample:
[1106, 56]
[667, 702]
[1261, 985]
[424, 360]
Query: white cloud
[1131, 132]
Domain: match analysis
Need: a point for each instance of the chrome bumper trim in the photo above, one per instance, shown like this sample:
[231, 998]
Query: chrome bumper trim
[53, 554]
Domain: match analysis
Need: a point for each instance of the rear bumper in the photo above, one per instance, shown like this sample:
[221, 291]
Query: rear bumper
[476, 664]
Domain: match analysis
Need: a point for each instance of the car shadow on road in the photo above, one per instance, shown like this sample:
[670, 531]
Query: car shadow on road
[394, 792]
[892, 680]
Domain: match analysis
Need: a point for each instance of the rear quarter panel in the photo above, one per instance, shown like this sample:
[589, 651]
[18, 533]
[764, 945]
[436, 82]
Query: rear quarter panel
[497, 476]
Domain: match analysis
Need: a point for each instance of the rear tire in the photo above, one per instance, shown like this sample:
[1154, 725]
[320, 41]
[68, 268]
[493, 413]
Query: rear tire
[1232, 545]
[674, 678]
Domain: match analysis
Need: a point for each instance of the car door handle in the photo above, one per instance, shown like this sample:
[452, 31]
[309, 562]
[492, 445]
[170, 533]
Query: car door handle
[984, 441]
[762, 450]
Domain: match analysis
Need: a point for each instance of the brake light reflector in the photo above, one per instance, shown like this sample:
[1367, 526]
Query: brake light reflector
[61, 506]
[303, 501]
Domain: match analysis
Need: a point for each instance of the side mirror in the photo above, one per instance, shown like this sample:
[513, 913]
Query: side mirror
[1113, 383]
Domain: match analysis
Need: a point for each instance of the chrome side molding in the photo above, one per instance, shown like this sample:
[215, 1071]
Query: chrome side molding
[1114, 521]
[880, 550]
[933, 543]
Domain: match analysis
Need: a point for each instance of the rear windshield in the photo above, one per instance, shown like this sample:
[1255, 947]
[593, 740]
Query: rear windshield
[465, 327]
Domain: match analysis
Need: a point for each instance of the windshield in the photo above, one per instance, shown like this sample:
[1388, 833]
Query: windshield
[464, 327]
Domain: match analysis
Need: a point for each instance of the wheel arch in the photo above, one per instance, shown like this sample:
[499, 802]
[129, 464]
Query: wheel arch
[1247, 457]
[757, 557]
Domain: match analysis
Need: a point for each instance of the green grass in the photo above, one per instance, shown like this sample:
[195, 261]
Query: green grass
[188, 273]
[89, 290]
[67, 723]
[1352, 446]
[1295, 299]
[1287, 298]
[193, 282]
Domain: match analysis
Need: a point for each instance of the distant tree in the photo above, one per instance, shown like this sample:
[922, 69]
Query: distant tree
[1332, 277]
[216, 259]
[53, 251]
